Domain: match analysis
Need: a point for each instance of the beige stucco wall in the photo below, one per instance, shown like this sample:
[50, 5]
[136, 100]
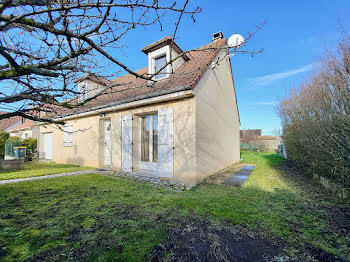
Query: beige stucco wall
[85, 142]
[184, 137]
[87, 148]
[217, 120]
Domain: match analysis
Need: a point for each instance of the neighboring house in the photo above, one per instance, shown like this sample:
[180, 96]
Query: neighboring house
[24, 130]
[184, 127]
[9, 123]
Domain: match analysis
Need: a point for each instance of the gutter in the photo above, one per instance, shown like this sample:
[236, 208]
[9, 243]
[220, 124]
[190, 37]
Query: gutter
[131, 103]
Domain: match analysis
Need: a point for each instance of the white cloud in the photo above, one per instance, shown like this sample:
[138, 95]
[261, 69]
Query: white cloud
[268, 103]
[269, 79]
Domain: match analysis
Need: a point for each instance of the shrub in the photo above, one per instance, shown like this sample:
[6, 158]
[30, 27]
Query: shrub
[31, 145]
[316, 118]
[3, 137]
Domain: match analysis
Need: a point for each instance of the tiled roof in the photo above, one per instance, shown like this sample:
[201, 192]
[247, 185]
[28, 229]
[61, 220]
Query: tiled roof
[27, 124]
[129, 88]
[5, 123]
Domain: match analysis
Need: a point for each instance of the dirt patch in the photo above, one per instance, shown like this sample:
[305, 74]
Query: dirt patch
[198, 240]
[335, 212]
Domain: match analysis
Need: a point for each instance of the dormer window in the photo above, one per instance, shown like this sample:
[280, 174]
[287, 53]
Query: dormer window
[160, 62]
[160, 53]
[83, 91]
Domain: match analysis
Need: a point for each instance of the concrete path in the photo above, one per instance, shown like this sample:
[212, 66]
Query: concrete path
[234, 176]
[76, 173]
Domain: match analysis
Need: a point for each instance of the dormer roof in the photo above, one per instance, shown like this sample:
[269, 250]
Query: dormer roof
[168, 40]
[94, 78]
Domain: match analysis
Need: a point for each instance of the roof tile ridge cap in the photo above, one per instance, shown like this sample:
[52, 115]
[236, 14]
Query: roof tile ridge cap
[164, 39]
[195, 82]
[224, 40]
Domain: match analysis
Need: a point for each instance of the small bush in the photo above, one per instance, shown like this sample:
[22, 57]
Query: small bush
[3, 137]
[31, 145]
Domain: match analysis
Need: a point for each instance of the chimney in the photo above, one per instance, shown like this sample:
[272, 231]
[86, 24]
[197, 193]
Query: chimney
[217, 36]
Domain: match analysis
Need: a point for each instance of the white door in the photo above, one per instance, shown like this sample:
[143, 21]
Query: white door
[126, 143]
[48, 146]
[165, 143]
[107, 142]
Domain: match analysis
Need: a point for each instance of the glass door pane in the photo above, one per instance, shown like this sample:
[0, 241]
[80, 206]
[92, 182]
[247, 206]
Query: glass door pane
[155, 138]
[145, 137]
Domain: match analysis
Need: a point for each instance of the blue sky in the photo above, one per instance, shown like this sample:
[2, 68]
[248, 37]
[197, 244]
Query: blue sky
[294, 37]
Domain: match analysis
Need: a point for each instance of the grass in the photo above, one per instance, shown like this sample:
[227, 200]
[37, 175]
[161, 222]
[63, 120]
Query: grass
[32, 169]
[97, 218]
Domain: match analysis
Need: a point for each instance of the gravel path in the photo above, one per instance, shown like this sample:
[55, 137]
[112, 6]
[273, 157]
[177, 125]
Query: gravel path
[84, 172]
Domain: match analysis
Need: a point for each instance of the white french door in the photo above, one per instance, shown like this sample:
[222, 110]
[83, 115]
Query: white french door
[149, 142]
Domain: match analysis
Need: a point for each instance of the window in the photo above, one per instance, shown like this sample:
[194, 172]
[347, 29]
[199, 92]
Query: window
[149, 138]
[159, 62]
[83, 91]
[145, 139]
[68, 133]
[155, 138]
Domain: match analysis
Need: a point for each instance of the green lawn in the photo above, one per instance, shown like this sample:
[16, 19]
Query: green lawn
[37, 168]
[97, 218]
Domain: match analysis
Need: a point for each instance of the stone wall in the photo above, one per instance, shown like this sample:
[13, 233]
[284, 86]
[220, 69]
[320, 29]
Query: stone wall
[11, 164]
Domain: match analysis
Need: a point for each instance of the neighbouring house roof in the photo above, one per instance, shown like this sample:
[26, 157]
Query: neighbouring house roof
[250, 132]
[129, 88]
[27, 124]
[6, 123]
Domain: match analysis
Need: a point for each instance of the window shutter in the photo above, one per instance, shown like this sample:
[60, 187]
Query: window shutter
[65, 129]
[70, 134]
[165, 142]
[68, 129]
[127, 143]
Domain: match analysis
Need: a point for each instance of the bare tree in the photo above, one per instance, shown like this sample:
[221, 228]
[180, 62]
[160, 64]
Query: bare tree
[46, 44]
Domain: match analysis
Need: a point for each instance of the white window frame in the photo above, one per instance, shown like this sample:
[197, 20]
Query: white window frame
[68, 135]
[152, 56]
[83, 96]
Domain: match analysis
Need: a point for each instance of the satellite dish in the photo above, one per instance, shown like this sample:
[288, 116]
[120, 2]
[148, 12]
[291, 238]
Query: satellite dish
[235, 41]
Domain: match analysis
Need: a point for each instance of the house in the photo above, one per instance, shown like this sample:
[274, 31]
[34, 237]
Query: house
[18, 126]
[182, 126]
[8, 123]
[25, 129]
